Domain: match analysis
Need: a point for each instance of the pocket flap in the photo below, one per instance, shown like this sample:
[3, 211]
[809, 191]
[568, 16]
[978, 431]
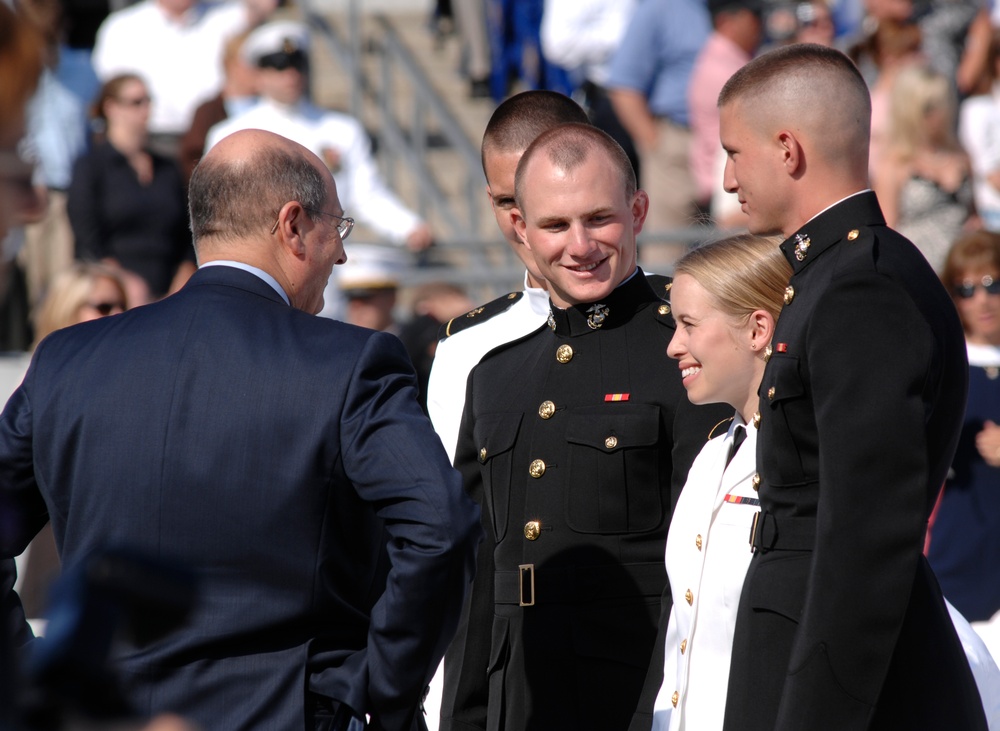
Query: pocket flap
[614, 427]
[495, 434]
[781, 380]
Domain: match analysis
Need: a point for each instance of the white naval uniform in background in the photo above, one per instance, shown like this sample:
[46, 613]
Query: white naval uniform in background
[458, 354]
[707, 554]
[360, 187]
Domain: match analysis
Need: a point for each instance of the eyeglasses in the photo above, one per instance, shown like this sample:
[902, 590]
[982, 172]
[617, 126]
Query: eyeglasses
[344, 228]
[106, 308]
[134, 103]
[284, 60]
[967, 289]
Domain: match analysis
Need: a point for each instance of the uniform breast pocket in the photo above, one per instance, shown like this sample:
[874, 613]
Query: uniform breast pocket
[785, 418]
[494, 435]
[614, 483]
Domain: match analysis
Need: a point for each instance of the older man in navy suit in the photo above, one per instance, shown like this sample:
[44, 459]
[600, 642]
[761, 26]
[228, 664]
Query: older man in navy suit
[281, 455]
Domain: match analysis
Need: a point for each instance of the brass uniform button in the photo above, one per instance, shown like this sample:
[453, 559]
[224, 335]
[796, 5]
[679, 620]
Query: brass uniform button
[512, 295]
[755, 482]
[755, 419]
[674, 698]
[536, 469]
[853, 234]
[697, 541]
[564, 354]
[689, 596]
[663, 309]
[771, 392]
[532, 529]
[482, 454]
[611, 442]
[789, 294]
[547, 409]
[767, 352]
[684, 646]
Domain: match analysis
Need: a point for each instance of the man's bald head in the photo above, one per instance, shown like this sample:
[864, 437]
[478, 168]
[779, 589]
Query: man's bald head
[815, 91]
[241, 184]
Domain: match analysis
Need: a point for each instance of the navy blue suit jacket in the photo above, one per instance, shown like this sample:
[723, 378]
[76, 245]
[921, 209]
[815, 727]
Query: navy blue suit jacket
[282, 456]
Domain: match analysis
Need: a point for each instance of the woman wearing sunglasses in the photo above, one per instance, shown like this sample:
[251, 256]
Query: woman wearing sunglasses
[126, 204]
[964, 546]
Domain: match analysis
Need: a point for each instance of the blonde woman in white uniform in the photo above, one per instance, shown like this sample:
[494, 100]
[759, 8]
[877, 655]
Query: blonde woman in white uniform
[726, 297]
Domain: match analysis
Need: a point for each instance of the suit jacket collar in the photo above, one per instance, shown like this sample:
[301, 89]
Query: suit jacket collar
[233, 277]
[830, 228]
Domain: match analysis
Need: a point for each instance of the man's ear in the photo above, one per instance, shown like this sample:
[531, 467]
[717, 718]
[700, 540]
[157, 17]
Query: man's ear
[520, 226]
[291, 227]
[640, 209]
[791, 151]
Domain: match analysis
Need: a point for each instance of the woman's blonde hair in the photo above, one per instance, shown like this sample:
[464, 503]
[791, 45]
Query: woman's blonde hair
[70, 291]
[743, 274]
[916, 91]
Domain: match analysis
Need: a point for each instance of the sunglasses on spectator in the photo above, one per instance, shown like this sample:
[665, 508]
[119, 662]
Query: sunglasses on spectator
[106, 308]
[134, 103]
[284, 60]
[967, 289]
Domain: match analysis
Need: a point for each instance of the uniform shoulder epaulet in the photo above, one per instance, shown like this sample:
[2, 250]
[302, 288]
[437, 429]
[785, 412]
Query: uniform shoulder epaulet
[712, 432]
[661, 285]
[478, 315]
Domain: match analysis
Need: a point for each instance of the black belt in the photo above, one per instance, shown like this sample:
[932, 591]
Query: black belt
[529, 586]
[770, 533]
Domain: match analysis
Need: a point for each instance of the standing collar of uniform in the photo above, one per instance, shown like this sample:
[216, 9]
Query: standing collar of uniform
[614, 310]
[832, 225]
[259, 273]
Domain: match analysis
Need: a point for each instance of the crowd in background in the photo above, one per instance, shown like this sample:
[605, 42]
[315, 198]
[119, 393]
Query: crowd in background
[134, 94]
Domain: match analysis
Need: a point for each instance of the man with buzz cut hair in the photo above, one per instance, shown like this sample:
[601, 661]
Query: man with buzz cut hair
[571, 440]
[467, 338]
[841, 624]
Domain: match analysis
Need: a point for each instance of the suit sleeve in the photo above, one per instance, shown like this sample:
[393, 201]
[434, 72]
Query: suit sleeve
[22, 510]
[466, 690]
[396, 462]
[873, 468]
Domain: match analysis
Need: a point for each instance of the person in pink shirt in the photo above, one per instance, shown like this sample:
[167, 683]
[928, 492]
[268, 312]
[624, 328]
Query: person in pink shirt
[737, 32]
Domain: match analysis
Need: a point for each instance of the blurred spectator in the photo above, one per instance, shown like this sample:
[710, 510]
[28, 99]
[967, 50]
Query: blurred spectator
[737, 33]
[176, 45]
[964, 549]
[973, 73]
[979, 133]
[84, 292]
[648, 82]
[432, 305]
[801, 22]
[126, 203]
[369, 281]
[514, 28]
[279, 51]
[944, 26]
[239, 93]
[924, 182]
[470, 20]
[581, 36]
[57, 133]
[890, 42]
